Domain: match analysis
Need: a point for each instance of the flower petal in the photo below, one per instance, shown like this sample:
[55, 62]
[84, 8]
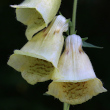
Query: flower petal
[36, 14]
[76, 93]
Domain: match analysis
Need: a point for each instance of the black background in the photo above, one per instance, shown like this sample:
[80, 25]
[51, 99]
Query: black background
[93, 21]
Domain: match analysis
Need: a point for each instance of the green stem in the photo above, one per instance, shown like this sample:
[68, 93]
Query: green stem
[72, 29]
[66, 106]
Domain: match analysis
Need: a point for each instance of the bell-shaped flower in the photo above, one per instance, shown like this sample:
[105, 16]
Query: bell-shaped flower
[76, 93]
[76, 81]
[36, 14]
[39, 57]
[74, 64]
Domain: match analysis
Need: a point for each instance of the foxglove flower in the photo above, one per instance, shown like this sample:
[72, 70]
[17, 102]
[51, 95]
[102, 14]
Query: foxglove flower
[76, 81]
[36, 14]
[38, 59]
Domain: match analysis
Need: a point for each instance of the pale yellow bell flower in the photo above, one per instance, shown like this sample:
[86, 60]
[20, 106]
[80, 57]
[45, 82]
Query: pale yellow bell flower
[76, 93]
[38, 59]
[36, 14]
[74, 64]
[76, 81]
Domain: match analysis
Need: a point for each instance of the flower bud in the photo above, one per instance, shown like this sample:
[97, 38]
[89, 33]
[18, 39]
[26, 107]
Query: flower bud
[36, 14]
[76, 93]
[74, 64]
[38, 59]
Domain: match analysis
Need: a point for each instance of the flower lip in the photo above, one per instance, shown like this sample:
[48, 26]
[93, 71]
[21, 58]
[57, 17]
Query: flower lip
[32, 69]
[75, 93]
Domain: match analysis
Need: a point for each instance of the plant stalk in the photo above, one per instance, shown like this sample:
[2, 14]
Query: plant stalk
[66, 106]
[72, 28]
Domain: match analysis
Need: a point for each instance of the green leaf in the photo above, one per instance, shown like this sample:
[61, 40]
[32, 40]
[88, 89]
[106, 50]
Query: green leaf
[85, 44]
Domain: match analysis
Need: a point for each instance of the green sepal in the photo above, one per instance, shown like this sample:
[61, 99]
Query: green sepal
[85, 44]
[46, 94]
[60, 13]
[75, 32]
[70, 24]
[84, 39]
